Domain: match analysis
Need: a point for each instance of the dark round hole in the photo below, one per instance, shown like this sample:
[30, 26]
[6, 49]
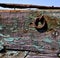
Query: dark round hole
[42, 20]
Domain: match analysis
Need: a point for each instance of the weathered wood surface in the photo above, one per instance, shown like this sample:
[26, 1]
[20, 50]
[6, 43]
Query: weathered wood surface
[30, 55]
[26, 6]
[39, 45]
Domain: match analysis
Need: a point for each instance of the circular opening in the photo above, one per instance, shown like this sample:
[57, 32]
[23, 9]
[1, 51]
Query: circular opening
[41, 24]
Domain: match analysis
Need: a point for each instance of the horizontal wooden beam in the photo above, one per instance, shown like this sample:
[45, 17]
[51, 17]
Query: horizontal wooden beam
[5, 5]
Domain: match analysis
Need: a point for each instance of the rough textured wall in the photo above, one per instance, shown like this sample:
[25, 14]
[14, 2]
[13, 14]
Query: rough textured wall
[20, 31]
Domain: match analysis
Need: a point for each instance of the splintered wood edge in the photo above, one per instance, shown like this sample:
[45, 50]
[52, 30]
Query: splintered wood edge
[27, 10]
[14, 10]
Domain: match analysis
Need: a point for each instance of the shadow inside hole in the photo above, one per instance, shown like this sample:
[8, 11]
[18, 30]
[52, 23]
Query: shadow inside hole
[42, 20]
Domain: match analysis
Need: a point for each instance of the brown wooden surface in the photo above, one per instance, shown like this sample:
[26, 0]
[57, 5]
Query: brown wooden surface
[27, 6]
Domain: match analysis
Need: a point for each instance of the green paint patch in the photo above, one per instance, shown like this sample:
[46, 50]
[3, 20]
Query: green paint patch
[9, 39]
[1, 34]
[1, 27]
[4, 35]
[58, 41]
[17, 38]
[40, 48]
[1, 47]
[48, 40]
[1, 42]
